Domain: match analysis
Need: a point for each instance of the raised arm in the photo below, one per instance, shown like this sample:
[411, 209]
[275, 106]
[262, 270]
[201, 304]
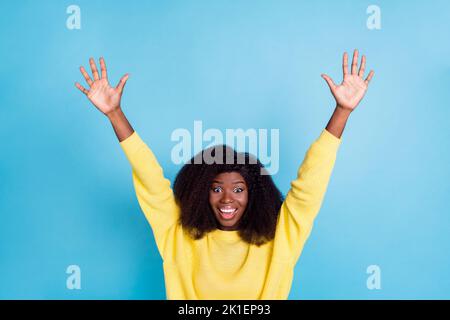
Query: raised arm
[305, 197]
[153, 190]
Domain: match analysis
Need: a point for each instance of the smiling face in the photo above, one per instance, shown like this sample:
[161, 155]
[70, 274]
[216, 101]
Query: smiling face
[228, 198]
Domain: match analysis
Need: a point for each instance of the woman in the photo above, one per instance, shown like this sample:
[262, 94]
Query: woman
[225, 232]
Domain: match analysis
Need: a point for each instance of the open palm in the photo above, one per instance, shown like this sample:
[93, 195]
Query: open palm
[101, 94]
[353, 87]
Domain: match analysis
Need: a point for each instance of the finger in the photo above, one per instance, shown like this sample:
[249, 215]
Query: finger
[369, 77]
[329, 81]
[86, 76]
[362, 67]
[355, 61]
[122, 82]
[103, 68]
[94, 69]
[345, 63]
[82, 89]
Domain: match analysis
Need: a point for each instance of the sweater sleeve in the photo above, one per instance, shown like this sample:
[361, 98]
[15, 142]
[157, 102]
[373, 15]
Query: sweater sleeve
[153, 191]
[305, 196]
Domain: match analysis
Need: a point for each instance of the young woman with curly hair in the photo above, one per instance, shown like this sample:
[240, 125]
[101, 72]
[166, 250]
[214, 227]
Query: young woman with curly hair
[225, 231]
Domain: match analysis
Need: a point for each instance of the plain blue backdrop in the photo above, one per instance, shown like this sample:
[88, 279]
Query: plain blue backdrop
[66, 194]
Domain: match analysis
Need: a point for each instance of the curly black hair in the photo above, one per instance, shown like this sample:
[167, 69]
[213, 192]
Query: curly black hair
[194, 180]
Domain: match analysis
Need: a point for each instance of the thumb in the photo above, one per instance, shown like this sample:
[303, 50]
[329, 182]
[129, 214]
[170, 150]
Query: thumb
[329, 82]
[122, 82]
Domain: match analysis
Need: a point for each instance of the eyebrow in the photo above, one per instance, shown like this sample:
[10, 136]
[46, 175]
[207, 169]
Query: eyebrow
[234, 182]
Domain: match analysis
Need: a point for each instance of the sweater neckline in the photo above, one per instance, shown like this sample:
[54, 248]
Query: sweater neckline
[226, 235]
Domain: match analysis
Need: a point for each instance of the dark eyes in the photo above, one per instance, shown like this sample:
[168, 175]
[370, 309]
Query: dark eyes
[219, 189]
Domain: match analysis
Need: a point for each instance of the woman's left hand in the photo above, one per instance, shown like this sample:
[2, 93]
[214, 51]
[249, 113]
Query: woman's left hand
[353, 87]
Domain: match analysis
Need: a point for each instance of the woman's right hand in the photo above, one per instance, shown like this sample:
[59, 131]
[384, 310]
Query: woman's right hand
[104, 97]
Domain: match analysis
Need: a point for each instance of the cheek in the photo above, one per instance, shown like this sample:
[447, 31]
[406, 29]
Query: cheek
[243, 199]
[213, 198]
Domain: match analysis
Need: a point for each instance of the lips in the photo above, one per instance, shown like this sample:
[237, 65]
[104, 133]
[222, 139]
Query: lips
[227, 212]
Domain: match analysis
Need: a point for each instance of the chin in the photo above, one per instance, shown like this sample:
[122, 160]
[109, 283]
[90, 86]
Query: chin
[229, 224]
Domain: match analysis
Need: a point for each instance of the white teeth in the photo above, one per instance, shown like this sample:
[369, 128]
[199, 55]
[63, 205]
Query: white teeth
[227, 210]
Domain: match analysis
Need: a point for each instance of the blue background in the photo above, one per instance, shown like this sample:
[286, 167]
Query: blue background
[66, 195]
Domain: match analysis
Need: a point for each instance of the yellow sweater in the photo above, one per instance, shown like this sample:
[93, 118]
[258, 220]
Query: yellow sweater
[221, 265]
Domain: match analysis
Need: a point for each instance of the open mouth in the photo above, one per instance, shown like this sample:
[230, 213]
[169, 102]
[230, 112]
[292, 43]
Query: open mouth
[227, 213]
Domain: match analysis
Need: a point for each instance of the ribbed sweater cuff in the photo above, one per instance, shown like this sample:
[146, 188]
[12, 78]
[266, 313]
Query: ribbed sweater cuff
[328, 141]
[132, 144]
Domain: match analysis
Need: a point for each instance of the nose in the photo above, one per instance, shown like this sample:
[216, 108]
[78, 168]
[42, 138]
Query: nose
[226, 198]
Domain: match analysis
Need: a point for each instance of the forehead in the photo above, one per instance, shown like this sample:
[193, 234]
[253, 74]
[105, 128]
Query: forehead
[229, 177]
